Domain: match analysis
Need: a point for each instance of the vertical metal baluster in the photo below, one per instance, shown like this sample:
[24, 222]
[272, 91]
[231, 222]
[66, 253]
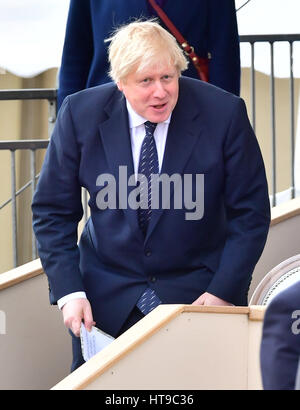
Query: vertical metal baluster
[273, 126]
[253, 88]
[14, 208]
[292, 107]
[32, 173]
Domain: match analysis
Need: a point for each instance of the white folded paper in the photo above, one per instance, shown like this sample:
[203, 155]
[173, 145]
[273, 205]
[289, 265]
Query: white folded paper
[93, 342]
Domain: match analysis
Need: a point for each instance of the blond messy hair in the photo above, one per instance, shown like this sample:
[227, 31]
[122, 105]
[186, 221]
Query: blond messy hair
[140, 44]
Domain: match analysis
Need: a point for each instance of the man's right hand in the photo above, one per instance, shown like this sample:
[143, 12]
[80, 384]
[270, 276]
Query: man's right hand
[74, 312]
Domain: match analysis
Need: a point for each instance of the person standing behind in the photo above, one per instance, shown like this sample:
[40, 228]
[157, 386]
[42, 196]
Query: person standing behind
[209, 26]
[280, 346]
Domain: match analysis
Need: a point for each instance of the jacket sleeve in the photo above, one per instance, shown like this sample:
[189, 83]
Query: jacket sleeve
[57, 209]
[280, 347]
[223, 44]
[247, 209]
[77, 51]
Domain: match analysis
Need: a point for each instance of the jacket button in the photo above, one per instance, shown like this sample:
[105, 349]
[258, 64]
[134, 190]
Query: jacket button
[148, 252]
[152, 279]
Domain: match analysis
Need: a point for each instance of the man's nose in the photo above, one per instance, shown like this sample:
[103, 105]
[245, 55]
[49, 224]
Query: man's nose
[159, 90]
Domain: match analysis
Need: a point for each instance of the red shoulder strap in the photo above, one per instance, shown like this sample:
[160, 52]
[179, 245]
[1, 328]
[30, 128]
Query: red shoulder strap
[201, 64]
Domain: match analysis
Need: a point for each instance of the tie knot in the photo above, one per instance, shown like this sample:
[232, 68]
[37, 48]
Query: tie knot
[150, 127]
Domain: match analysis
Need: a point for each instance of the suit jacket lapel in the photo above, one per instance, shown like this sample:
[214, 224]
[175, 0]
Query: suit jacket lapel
[115, 136]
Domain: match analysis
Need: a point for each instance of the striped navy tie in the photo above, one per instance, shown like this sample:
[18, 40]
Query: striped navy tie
[148, 165]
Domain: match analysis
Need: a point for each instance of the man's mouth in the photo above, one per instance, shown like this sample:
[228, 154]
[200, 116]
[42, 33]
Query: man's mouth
[159, 106]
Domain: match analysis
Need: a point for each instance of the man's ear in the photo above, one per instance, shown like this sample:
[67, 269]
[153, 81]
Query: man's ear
[119, 85]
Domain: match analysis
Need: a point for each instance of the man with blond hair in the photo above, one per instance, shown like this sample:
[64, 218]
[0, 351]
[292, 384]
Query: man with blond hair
[150, 124]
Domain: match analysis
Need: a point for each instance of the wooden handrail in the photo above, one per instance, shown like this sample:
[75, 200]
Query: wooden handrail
[138, 334]
[21, 273]
[285, 211]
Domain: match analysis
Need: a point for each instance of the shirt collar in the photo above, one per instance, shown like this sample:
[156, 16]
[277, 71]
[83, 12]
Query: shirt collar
[135, 119]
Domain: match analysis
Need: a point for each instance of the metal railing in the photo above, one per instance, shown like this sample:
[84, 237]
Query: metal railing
[32, 145]
[271, 40]
[51, 94]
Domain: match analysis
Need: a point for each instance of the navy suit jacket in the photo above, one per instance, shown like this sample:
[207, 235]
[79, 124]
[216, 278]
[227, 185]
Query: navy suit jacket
[209, 134]
[210, 26]
[280, 346]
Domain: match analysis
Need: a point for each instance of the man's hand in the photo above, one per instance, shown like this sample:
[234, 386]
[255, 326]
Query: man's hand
[74, 312]
[207, 299]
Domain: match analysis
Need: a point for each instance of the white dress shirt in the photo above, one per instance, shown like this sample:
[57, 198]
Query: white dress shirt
[137, 135]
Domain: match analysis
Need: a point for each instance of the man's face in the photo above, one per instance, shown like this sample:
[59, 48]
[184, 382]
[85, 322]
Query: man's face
[153, 91]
